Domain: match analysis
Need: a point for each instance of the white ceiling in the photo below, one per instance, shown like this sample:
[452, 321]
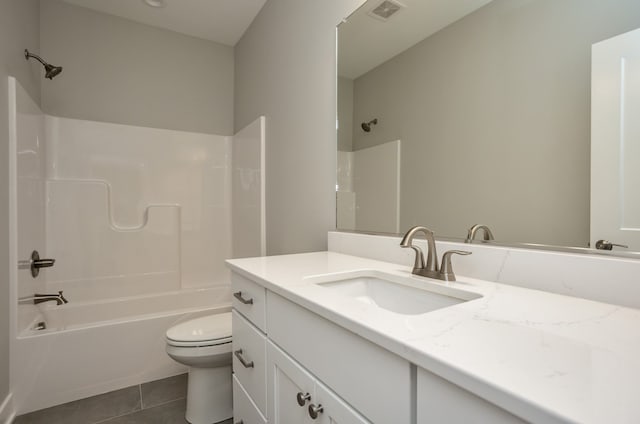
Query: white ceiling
[365, 42]
[223, 21]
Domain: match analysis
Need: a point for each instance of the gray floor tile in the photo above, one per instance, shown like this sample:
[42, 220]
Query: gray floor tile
[163, 391]
[169, 413]
[87, 411]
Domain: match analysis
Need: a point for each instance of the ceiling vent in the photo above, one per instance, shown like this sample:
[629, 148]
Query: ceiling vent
[386, 10]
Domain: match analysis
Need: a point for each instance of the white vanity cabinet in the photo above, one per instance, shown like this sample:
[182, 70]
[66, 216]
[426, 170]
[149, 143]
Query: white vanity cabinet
[298, 397]
[439, 401]
[292, 366]
[288, 350]
[317, 323]
[374, 381]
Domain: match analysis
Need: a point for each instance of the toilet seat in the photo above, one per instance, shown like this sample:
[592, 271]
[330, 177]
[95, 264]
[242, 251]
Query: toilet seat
[211, 330]
[201, 343]
[204, 345]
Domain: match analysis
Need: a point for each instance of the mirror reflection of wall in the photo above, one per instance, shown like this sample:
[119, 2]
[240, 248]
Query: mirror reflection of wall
[345, 114]
[494, 116]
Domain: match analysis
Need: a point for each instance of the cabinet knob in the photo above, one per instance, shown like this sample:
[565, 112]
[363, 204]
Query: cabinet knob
[303, 398]
[244, 362]
[314, 410]
[238, 295]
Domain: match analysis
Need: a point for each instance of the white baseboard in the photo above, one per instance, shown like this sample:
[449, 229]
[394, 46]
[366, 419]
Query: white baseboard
[7, 413]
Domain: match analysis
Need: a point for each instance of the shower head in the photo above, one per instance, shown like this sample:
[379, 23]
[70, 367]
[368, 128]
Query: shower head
[50, 70]
[366, 126]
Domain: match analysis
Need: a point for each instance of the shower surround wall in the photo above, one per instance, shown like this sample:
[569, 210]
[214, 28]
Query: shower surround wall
[135, 210]
[368, 189]
[248, 194]
[30, 194]
[129, 211]
[139, 222]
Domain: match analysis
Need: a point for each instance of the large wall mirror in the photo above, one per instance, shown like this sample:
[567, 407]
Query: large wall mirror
[455, 113]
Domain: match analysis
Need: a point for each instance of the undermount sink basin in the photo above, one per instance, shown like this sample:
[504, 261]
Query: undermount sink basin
[394, 293]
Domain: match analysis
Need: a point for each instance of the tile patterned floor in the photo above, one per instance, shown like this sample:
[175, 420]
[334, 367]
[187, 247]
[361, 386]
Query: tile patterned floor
[158, 402]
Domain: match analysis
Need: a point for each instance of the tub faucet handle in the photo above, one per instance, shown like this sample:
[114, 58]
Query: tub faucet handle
[36, 263]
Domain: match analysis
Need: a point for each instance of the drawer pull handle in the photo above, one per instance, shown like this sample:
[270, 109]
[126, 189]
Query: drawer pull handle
[243, 361]
[314, 411]
[238, 296]
[303, 398]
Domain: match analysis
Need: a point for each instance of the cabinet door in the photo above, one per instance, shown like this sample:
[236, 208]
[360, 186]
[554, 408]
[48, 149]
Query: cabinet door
[361, 372]
[287, 381]
[440, 401]
[334, 409]
[244, 410]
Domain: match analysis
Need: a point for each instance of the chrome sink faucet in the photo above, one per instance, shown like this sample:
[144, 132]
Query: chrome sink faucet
[430, 268]
[40, 298]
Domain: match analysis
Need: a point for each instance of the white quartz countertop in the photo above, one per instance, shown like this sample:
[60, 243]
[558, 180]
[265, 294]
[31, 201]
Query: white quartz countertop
[542, 356]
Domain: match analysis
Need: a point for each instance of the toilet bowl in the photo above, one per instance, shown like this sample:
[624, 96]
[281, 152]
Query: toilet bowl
[204, 344]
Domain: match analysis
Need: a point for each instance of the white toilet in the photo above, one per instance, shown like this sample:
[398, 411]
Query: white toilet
[204, 344]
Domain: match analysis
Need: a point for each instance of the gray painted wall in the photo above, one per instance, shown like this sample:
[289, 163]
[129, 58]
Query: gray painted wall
[286, 70]
[121, 71]
[509, 83]
[19, 29]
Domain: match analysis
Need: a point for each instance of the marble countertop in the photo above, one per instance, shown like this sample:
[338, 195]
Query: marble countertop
[544, 357]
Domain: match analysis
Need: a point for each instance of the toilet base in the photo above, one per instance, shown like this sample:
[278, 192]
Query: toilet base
[209, 395]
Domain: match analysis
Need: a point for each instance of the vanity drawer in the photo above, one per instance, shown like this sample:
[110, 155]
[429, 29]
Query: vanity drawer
[249, 357]
[249, 299]
[244, 410]
[374, 381]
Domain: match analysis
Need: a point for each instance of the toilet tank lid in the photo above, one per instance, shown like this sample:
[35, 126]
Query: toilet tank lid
[210, 327]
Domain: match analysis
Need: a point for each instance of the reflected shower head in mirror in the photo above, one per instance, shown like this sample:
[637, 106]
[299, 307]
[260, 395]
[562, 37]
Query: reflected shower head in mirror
[50, 70]
[366, 126]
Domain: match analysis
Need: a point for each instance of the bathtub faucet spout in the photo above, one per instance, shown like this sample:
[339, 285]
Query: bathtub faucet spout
[40, 298]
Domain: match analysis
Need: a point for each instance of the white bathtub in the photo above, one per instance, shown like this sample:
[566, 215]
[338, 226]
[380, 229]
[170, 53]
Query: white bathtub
[94, 347]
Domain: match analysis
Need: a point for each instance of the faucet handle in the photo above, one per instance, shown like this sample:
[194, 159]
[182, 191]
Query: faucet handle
[419, 261]
[446, 270]
[36, 263]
